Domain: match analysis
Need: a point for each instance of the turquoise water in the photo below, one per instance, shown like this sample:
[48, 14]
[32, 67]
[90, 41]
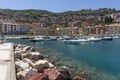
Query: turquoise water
[101, 60]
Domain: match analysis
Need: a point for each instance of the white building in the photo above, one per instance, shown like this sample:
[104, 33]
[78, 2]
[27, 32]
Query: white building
[14, 29]
[118, 20]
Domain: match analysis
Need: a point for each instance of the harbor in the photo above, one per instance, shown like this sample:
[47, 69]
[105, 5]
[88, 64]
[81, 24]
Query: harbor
[59, 40]
[96, 59]
[21, 56]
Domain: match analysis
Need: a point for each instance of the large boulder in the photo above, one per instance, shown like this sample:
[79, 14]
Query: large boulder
[26, 60]
[26, 55]
[39, 76]
[40, 65]
[64, 70]
[26, 74]
[31, 72]
[32, 49]
[36, 56]
[18, 54]
[20, 65]
[53, 74]
[51, 65]
[15, 45]
[19, 47]
[26, 48]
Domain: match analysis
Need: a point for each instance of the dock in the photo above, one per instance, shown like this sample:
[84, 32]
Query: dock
[7, 66]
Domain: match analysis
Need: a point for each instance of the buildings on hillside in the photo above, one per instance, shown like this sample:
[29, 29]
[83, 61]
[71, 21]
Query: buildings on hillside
[73, 31]
[9, 28]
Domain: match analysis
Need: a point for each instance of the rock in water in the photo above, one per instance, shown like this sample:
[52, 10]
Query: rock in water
[82, 76]
[53, 74]
[65, 72]
[40, 65]
[32, 49]
[39, 76]
[51, 65]
[36, 56]
[25, 49]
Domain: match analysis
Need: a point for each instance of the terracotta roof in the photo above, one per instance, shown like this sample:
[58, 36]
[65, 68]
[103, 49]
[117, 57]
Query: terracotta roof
[110, 25]
[26, 25]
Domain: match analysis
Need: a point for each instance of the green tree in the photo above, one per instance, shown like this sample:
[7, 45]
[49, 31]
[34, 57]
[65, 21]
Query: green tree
[108, 20]
[0, 30]
[30, 33]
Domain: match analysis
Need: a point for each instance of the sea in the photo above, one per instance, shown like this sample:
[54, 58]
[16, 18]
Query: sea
[100, 60]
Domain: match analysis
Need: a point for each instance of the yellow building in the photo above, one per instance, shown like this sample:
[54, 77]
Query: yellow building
[43, 31]
[63, 31]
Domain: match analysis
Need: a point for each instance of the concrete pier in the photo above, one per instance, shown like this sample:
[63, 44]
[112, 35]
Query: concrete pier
[7, 66]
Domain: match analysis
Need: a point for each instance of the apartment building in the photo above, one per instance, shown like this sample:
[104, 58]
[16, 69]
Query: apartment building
[43, 31]
[94, 30]
[112, 29]
[63, 31]
[14, 29]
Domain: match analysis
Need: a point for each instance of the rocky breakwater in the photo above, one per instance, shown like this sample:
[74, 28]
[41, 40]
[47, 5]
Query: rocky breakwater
[32, 65]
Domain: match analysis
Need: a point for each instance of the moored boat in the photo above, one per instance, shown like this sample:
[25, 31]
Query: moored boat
[83, 39]
[115, 37]
[107, 38]
[71, 41]
[94, 39]
[37, 39]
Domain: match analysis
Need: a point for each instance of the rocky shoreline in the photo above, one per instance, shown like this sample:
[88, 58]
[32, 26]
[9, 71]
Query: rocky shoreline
[32, 65]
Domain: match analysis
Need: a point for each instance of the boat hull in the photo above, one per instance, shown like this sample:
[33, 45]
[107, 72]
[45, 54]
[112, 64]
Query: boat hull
[32, 40]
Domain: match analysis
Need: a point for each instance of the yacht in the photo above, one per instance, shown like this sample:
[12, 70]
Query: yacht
[107, 38]
[61, 38]
[73, 41]
[115, 37]
[37, 39]
[53, 38]
[94, 38]
[83, 39]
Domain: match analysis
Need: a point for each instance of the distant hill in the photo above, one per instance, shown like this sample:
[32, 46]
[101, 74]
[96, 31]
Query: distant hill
[32, 15]
[38, 13]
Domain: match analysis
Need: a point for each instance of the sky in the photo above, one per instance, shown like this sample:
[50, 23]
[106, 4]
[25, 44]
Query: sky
[59, 5]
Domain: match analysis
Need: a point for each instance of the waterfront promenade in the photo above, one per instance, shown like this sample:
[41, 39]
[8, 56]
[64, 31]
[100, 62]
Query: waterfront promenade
[7, 68]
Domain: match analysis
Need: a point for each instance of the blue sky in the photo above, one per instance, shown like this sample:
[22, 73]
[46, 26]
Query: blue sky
[59, 5]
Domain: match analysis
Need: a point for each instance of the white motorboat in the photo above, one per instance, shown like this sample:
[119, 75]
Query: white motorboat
[107, 38]
[94, 38]
[83, 40]
[37, 39]
[115, 37]
[71, 41]
[53, 38]
[60, 38]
